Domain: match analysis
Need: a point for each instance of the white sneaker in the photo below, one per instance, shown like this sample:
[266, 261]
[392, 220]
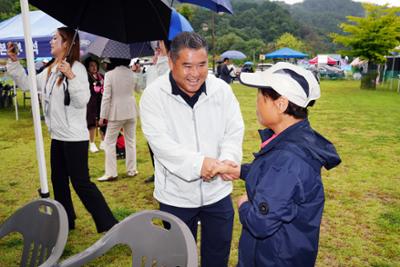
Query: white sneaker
[132, 173]
[106, 178]
[93, 148]
[102, 145]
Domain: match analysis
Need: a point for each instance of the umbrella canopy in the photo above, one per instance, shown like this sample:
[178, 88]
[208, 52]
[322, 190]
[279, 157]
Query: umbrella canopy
[178, 24]
[215, 5]
[323, 60]
[233, 54]
[286, 53]
[104, 47]
[119, 20]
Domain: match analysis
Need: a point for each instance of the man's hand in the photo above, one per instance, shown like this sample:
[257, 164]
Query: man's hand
[208, 168]
[241, 200]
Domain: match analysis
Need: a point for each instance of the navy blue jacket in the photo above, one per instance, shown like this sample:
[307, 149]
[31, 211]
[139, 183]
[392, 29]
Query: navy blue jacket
[282, 218]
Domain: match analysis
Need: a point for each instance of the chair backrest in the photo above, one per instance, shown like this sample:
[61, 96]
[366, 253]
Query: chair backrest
[43, 224]
[151, 245]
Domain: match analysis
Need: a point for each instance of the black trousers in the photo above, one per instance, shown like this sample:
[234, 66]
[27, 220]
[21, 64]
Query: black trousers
[216, 229]
[69, 161]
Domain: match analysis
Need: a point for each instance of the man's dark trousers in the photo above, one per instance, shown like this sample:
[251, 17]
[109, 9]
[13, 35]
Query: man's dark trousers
[216, 229]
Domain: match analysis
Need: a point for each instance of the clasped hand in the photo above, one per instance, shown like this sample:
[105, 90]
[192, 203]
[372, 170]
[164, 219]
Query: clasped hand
[226, 169]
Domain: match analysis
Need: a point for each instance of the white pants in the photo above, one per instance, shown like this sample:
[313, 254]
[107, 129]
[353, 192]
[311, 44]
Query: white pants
[110, 140]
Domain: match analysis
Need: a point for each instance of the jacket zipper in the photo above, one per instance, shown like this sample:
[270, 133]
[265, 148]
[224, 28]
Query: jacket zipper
[198, 150]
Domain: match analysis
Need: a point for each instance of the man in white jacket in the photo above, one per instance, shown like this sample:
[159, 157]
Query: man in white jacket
[193, 123]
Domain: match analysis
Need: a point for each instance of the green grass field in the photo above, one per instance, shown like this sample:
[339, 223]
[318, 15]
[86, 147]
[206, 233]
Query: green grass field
[361, 221]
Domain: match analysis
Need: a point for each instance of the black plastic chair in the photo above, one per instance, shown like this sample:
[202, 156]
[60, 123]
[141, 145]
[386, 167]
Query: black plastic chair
[151, 245]
[43, 224]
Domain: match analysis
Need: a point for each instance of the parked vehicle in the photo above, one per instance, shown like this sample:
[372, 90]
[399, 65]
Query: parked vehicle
[263, 66]
[330, 72]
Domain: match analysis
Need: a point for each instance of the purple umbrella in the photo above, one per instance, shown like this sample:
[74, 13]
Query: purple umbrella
[233, 54]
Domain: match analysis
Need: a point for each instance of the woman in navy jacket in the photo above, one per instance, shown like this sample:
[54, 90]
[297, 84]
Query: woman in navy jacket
[281, 212]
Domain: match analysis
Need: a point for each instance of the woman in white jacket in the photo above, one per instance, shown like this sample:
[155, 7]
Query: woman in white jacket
[65, 92]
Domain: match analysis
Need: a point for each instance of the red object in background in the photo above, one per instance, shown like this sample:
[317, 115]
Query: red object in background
[121, 141]
[323, 60]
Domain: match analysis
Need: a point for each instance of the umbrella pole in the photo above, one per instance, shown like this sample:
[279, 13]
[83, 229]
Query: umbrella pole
[44, 190]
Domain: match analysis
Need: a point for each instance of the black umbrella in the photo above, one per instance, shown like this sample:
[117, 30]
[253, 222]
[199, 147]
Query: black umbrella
[126, 21]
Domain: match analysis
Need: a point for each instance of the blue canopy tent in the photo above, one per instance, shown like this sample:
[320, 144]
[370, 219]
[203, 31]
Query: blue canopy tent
[286, 53]
[43, 27]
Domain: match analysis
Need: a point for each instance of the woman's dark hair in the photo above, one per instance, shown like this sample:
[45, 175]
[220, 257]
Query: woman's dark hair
[87, 63]
[67, 35]
[73, 46]
[115, 62]
[292, 109]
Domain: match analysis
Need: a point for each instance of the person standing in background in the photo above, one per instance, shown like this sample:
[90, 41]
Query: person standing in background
[226, 71]
[96, 85]
[160, 67]
[118, 107]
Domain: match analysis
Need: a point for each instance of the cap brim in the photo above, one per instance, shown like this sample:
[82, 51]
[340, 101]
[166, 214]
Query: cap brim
[256, 80]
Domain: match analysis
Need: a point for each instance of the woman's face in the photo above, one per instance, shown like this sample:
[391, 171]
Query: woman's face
[267, 111]
[57, 45]
[92, 67]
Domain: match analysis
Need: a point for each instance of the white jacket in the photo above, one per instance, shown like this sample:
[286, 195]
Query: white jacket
[155, 71]
[118, 102]
[181, 137]
[65, 123]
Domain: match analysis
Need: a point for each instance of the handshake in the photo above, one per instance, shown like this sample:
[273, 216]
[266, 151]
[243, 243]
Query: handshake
[226, 169]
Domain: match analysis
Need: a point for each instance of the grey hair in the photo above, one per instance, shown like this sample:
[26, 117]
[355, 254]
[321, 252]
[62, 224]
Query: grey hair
[184, 40]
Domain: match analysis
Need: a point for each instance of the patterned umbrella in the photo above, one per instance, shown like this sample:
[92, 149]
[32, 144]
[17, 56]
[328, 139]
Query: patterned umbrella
[103, 47]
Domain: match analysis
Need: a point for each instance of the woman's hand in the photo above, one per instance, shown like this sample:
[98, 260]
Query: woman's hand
[241, 200]
[11, 52]
[65, 68]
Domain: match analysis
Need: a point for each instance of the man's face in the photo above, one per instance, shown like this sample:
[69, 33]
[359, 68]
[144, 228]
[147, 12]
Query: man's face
[190, 69]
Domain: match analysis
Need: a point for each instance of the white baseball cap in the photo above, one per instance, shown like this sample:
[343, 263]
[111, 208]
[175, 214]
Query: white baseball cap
[298, 85]
[134, 61]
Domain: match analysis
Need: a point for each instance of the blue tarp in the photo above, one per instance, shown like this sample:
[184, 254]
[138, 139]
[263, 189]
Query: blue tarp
[43, 27]
[286, 53]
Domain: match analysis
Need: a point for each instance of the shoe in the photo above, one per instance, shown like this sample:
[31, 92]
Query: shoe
[149, 179]
[132, 173]
[106, 178]
[93, 148]
[102, 145]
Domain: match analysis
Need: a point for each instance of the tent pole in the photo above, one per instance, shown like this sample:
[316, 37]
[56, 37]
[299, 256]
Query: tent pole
[391, 80]
[44, 190]
[15, 101]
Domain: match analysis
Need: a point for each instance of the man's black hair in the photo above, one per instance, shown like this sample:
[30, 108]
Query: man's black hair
[184, 40]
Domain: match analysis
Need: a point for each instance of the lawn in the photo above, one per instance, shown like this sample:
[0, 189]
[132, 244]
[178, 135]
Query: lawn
[361, 221]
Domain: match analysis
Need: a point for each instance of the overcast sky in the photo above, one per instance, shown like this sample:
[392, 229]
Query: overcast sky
[391, 2]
